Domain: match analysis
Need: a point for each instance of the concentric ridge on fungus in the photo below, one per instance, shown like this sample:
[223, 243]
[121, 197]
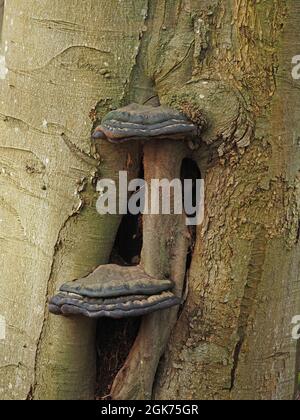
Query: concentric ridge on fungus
[129, 306]
[135, 122]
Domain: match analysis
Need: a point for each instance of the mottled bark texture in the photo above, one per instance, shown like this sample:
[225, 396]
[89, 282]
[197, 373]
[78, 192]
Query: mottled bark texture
[229, 59]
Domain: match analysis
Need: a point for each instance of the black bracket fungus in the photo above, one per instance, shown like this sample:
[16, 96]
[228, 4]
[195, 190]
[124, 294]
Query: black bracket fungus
[122, 307]
[137, 122]
[114, 291]
[111, 290]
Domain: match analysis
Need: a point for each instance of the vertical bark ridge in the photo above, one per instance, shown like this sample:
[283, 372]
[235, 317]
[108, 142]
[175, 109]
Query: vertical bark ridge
[249, 300]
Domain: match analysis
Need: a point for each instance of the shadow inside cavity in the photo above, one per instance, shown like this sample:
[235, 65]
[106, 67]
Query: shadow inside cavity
[190, 170]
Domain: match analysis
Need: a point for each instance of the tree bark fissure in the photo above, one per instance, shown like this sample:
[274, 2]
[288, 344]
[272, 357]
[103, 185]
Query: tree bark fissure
[249, 300]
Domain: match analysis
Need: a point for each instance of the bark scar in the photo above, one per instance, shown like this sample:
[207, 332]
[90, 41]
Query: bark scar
[255, 273]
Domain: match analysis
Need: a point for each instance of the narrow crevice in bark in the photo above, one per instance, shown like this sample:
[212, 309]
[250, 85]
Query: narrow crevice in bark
[297, 372]
[236, 358]
[139, 87]
[190, 170]
[2, 5]
[30, 394]
[298, 233]
[255, 273]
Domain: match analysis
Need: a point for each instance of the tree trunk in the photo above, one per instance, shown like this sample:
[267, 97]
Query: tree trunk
[63, 60]
[233, 339]
[230, 59]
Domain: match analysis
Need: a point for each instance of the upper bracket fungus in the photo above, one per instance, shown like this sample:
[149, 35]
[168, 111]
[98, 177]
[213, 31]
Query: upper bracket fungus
[138, 122]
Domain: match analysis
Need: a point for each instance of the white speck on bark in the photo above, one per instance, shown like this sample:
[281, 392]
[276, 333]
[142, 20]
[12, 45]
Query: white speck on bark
[3, 68]
[144, 13]
[2, 328]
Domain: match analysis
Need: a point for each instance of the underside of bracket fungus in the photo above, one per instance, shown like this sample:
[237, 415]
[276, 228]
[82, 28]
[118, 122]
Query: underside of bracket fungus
[111, 290]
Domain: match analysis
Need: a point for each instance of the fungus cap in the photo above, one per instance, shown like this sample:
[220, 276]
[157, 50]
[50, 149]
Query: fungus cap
[114, 281]
[145, 122]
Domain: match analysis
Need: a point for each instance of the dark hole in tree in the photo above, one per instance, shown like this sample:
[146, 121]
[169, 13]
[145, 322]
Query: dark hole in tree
[297, 379]
[115, 338]
[190, 170]
[129, 241]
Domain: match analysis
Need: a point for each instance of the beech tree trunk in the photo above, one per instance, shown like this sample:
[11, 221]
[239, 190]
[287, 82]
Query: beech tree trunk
[64, 64]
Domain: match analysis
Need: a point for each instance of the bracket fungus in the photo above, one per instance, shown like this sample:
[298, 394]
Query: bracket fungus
[138, 122]
[114, 291]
